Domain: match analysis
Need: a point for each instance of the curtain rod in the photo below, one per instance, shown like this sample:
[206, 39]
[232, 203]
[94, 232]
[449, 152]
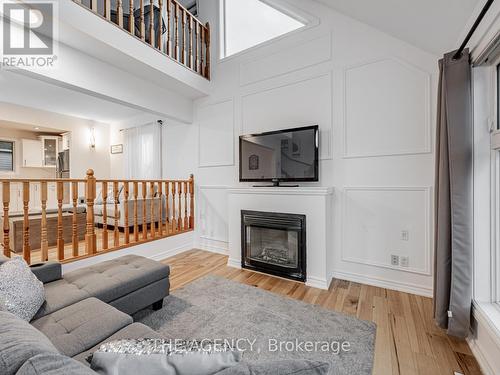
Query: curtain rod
[159, 122]
[487, 6]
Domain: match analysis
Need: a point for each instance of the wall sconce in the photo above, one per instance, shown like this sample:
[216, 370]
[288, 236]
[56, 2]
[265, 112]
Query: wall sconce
[92, 138]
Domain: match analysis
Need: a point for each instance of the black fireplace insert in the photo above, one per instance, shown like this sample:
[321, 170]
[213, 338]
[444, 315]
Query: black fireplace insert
[274, 243]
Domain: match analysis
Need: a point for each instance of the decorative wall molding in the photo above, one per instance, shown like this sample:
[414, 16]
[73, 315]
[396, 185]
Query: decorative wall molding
[215, 243]
[235, 263]
[230, 160]
[427, 270]
[423, 149]
[326, 130]
[317, 282]
[305, 54]
[384, 283]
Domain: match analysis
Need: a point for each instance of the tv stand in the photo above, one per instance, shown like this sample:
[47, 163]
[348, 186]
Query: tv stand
[276, 184]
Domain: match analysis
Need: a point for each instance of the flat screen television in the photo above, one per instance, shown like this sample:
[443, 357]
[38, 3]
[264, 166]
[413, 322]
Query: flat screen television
[283, 155]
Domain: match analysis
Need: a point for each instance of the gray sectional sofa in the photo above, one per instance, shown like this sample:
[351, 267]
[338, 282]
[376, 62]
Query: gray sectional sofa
[83, 309]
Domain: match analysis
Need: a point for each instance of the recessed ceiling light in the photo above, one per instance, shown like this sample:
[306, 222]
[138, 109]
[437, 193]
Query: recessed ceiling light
[37, 128]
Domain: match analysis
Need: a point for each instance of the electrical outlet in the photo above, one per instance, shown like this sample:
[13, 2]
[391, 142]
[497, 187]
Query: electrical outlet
[405, 235]
[404, 261]
[395, 260]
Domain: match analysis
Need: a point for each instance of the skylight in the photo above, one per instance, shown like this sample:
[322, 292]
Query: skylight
[248, 23]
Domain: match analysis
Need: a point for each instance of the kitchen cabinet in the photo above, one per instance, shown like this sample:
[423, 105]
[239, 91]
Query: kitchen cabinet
[32, 153]
[50, 150]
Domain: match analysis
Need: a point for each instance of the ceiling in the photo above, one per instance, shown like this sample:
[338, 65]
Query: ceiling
[433, 25]
[29, 92]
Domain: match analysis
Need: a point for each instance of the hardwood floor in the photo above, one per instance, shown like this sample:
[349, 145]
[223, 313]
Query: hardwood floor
[407, 340]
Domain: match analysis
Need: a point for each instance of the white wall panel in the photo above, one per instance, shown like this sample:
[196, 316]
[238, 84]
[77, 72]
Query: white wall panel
[373, 220]
[216, 124]
[300, 56]
[213, 212]
[386, 109]
[303, 103]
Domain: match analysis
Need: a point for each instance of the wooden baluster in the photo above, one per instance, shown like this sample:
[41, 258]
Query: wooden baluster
[160, 208]
[186, 219]
[60, 239]
[26, 223]
[152, 208]
[44, 243]
[6, 224]
[207, 52]
[90, 237]
[144, 222]
[179, 214]
[200, 51]
[198, 47]
[119, 12]
[176, 31]
[136, 214]
[190, 42]
[107, 9]
[93, 5]
[74, 237]
[159, 37]
[174, 220]
[191, 202]
[116, 232]
[131, 18]
[183, 27]
[126, 221]
[141, 21]
[169, 27]
[167, 209]
[152, 23]
[104, 194]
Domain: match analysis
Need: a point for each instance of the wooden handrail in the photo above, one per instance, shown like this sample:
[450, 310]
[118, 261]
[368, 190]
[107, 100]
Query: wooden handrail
[187, 38]
[66, 221]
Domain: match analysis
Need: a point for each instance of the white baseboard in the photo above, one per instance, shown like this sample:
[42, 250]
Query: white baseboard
[171, 252]
[383, 283]
[484, 340]
[235, 263]
[316, 282]
[213, 245]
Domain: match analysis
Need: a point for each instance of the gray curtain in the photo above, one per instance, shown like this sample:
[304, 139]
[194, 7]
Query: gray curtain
[453, 197]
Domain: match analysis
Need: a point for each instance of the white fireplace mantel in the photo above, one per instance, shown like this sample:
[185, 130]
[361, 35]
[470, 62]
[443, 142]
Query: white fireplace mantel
[314, 202]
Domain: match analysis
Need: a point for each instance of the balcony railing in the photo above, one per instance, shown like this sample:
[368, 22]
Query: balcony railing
[72, 219]
[165, 25]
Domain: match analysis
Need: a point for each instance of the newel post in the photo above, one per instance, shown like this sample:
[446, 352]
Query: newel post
[90, 195]
[191, 201]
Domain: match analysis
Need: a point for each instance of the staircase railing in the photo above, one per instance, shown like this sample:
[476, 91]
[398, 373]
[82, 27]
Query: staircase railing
[72, 219]
[166, 26]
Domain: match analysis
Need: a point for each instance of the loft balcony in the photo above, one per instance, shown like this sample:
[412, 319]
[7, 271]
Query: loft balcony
[165, 25]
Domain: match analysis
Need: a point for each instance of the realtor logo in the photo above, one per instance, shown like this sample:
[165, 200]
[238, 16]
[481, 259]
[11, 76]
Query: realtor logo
[28, 34]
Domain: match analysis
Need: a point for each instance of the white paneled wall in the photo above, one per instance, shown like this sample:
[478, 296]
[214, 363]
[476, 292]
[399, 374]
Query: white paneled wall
[372, 96]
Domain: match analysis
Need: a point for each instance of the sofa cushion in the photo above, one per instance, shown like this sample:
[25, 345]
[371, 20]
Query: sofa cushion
[19, 341]
[133, 331]
[59, 294]
[53, 364]
[118, 277]
[107, 281]
[21, 292]
[280, 367]
[79, 327]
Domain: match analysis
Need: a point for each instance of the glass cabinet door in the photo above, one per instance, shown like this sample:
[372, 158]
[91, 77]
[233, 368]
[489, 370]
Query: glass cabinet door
[49, 152]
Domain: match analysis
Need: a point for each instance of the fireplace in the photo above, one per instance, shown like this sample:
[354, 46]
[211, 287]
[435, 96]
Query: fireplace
[274, 243]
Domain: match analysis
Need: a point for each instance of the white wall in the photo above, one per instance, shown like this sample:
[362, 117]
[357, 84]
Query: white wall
[373, 97]
[82, 156]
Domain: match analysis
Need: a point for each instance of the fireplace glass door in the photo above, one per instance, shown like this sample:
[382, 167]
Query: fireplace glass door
[274, 243]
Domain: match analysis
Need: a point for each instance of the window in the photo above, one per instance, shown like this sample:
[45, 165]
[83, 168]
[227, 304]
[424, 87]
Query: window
[247, 23]
[6, 156]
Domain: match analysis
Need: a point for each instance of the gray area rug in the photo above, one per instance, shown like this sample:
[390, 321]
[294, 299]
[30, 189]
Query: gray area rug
[264, 325]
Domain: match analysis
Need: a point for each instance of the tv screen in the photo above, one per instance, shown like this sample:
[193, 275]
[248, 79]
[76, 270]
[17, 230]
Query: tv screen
[284, 155]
